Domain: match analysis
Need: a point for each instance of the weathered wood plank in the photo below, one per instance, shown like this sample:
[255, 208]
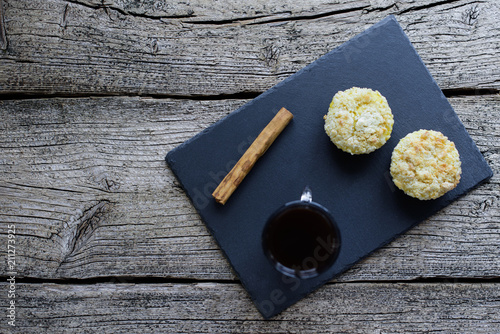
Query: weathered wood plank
[85, 182]
[222, 47]
[226, 308]
[224, 12]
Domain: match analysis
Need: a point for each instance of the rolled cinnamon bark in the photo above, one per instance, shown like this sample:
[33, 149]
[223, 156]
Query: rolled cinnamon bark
[259, 146]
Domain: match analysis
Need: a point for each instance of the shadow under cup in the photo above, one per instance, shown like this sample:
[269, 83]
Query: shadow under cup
[301, 239]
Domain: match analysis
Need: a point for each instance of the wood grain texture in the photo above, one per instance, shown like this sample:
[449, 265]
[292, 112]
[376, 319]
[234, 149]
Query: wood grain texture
[202, 48]
[226, 308]
[86, 184]
[105, 234]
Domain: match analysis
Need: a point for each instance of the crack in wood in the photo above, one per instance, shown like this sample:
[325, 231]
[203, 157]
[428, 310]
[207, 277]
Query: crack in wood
[237, 20]
[470, 15]
[271, 55]
[21, 185]
[64, 19]
[80, 229]
[313, 16]
[381, 8]
[427, 6]
[284, 16]
[108, 8]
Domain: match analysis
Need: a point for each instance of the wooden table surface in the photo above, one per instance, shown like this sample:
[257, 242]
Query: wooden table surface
[94, 93]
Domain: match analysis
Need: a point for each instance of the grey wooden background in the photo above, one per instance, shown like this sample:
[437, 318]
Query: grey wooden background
[94, 93]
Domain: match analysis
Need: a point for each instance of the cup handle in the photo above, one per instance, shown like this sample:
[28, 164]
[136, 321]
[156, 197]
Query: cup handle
[306, 195]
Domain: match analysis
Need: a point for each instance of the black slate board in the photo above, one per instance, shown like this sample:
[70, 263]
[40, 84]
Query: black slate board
[357, 190]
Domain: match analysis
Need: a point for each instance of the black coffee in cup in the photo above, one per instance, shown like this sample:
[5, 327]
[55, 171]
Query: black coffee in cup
[301, 239]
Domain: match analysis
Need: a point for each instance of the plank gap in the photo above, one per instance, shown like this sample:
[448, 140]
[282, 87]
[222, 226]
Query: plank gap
[118, 280]
[243, 95]
[452, 92]
[156, 280]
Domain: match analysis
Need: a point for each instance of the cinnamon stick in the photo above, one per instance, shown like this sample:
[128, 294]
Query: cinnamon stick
[259, 146]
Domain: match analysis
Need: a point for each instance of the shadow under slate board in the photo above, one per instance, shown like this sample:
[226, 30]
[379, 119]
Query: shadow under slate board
[358, 190]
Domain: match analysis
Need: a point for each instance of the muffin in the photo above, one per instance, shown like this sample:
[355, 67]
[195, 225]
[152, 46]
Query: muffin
[359, 120]
[425, 165]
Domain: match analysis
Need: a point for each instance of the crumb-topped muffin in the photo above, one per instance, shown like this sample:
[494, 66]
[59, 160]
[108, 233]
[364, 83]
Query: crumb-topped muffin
[359, 120]
[425, 165]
